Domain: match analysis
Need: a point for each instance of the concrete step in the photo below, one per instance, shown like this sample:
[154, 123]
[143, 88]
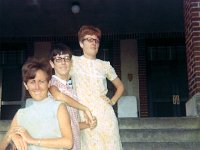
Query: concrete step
[160, 123]
[160, 135]
[152, 133]
[161, 145]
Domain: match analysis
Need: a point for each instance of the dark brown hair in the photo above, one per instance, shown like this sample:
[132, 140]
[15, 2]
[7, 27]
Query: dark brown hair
[32, 65]
[60, 49]
[88, 30]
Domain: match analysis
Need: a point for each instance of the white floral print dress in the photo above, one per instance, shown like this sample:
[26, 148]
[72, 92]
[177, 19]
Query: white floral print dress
[89, 81]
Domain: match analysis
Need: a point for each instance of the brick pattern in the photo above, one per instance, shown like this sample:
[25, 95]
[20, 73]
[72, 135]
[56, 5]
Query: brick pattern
[116, 63]
[192, 34]
[116, 57]
[142, 78]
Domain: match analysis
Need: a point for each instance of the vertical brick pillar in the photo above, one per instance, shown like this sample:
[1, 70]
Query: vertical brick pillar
[142, 78]
[116, 57]
[192, 35]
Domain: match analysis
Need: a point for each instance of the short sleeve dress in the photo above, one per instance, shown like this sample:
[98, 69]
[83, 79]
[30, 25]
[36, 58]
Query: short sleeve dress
[40, 120]
[74, 115]
[89, 81]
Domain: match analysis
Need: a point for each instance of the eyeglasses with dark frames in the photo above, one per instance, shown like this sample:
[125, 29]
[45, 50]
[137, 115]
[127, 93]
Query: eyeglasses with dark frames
[90, 40]
[59, 59]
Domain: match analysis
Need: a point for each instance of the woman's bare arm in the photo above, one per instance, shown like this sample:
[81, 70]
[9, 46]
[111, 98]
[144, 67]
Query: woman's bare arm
[119, 90]
[71, 102]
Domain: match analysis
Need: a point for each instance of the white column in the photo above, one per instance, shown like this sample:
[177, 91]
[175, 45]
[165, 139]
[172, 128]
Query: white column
[129, 76]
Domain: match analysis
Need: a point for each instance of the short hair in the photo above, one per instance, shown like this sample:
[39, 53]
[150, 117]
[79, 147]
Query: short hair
[60, 49]
[32, 65]
[88, 30]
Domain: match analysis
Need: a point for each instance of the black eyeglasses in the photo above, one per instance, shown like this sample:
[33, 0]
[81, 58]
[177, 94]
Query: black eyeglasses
[59, 59]
[90, 40]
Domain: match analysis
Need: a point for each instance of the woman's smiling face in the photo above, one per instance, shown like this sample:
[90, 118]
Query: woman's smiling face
[38, 87]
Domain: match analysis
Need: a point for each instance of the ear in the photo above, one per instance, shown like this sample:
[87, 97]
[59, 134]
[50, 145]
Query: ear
[25, 85]
[81, 44]
[51, 63]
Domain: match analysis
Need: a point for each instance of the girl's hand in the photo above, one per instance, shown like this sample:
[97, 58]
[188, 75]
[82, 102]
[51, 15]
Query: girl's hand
[94, 123]
[88, 116]
[108, 100]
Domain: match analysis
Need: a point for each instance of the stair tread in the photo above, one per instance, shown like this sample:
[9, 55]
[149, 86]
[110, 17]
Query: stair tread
[161, 145]
[160, 123]
[159, 131]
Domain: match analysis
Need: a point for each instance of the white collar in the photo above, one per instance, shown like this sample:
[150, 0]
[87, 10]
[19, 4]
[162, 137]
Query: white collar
[61, 80]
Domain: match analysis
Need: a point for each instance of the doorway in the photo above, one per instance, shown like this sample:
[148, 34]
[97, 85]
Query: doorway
[167, 81]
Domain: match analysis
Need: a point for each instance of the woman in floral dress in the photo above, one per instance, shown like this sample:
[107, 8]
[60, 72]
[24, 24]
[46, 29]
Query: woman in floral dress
[89, 76]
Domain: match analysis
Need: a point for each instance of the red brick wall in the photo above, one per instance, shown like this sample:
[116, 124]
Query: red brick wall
[192, 36]
[142, 70]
